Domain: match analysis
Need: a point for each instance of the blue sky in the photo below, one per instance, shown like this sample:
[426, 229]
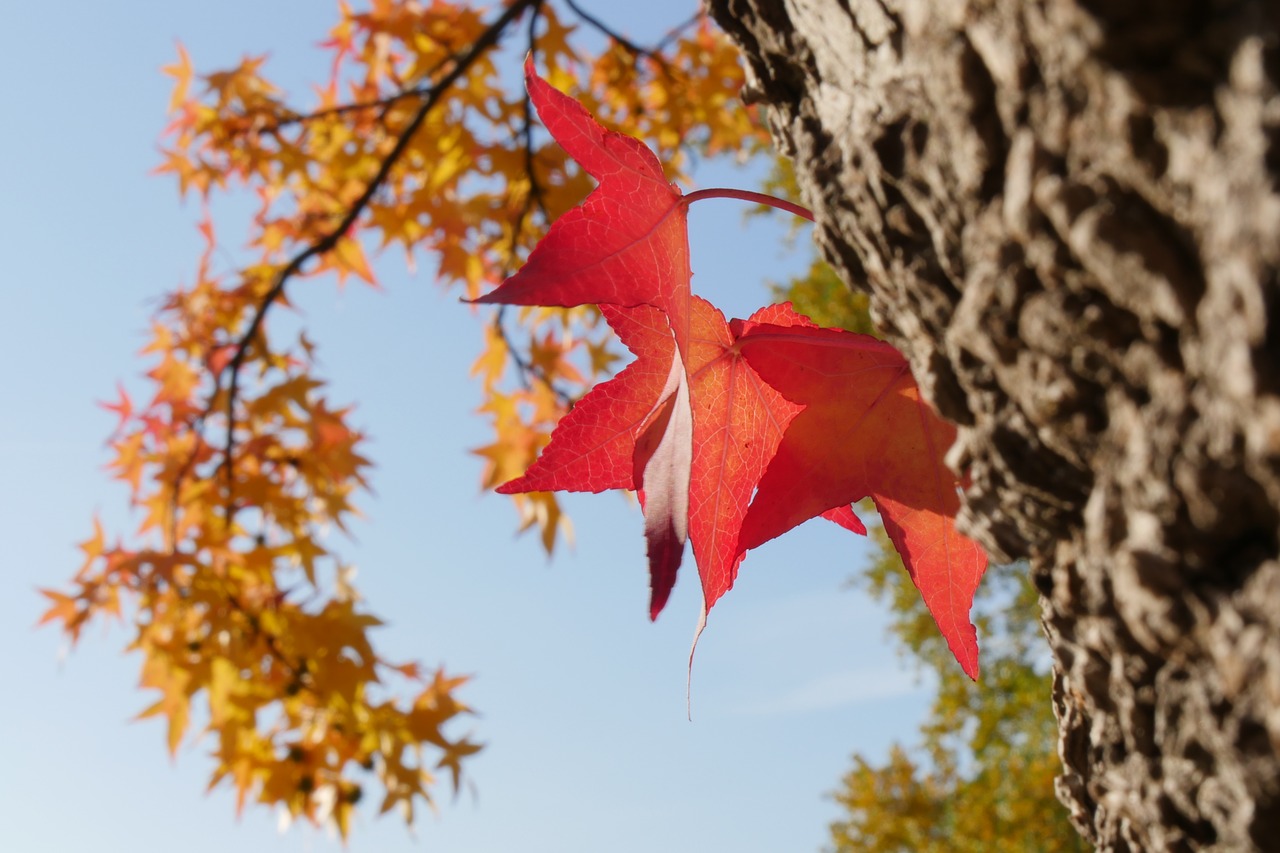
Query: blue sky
[581, 699]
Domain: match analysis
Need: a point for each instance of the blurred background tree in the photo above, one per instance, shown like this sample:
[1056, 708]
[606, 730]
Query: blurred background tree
[982, 779]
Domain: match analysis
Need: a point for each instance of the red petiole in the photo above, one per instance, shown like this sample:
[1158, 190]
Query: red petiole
[747, 195]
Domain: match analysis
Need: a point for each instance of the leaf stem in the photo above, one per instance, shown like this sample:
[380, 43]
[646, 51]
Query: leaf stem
[747, 195]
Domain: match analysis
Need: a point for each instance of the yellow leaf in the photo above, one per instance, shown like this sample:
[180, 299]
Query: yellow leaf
[182, 73]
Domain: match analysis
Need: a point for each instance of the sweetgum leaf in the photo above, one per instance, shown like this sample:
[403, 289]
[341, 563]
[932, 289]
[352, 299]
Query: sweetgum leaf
[808, 419]
[866, 432]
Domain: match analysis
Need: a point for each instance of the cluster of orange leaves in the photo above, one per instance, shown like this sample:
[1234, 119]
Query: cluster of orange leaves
[237, 461]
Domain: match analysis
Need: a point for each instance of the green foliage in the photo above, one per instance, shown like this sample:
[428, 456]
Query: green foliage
[984, 777]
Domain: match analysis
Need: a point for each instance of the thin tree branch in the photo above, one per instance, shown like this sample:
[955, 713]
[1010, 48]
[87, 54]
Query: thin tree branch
[383, 103]
[356, 106]
[747, 195]
[655, 52]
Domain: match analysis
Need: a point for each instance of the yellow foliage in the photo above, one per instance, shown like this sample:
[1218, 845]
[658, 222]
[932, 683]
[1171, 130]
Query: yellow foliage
[238, 460]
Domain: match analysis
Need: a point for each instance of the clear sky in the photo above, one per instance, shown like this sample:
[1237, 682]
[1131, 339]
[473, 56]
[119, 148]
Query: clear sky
[581, 699]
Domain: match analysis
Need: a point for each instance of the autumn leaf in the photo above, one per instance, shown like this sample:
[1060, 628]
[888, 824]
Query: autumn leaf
[182, 73]
[706, 412]
[811, 419]
[866, 432]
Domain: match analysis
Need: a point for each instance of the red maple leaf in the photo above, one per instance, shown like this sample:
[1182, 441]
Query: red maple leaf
[809, 419]
[865, 432]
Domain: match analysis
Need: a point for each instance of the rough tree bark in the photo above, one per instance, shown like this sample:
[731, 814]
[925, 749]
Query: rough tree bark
[1069, 214]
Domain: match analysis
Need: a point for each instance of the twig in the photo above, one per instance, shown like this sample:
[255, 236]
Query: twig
[534, 196]
[605, 29]
[342, 109]
[678, 30]
[654, 53]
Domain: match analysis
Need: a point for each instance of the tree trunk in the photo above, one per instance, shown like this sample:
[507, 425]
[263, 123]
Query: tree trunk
[1068, 213]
